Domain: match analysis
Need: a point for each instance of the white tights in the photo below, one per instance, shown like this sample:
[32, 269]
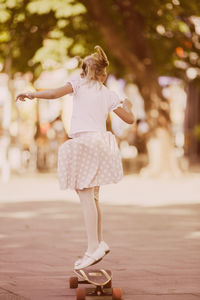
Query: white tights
[89, 198]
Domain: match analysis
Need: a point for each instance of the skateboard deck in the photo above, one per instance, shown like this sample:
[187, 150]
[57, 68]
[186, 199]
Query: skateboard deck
[101, 280]
[95, 276]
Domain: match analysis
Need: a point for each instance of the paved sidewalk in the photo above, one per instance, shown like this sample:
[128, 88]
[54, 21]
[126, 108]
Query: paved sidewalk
[155, 242]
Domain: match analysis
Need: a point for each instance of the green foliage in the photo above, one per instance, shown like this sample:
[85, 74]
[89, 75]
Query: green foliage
[62, 8]
[33, 31]
[54, 49]
[30, 33]
[21, 35]
[168, 26]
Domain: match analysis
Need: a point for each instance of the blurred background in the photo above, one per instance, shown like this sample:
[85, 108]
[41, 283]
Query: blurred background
[154, 54]
[151, 217]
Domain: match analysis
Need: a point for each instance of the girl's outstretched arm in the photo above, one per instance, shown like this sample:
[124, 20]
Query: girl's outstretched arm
[125, 112]
[48, 94]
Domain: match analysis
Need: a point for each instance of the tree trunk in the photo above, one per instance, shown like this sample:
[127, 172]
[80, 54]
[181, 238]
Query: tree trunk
[133, 51]
[138, 62]
[192, 119]
[7, 110]
[10, 104]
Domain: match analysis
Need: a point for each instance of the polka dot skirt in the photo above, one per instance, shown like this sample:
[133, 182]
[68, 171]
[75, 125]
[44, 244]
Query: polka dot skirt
[89, 159]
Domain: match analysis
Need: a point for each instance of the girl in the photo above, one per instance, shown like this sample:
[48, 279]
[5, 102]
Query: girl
[91, 157]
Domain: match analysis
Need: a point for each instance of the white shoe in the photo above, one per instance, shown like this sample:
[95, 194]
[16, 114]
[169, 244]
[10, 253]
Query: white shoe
[102, 244]
[105, 247]
[77, 262]
[91, 259]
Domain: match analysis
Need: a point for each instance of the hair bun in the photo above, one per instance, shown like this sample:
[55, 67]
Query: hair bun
[102, 55]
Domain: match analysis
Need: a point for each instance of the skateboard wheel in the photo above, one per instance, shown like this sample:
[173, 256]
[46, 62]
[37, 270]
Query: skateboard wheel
[73, 282]
[108, 285]
[80, 294]
[116, 293]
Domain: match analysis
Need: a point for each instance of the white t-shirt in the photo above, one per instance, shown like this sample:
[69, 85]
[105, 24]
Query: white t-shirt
[91, 104]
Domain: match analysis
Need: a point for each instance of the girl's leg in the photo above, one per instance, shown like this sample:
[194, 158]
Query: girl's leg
[100, 237]
[96, 198]
[90, 217]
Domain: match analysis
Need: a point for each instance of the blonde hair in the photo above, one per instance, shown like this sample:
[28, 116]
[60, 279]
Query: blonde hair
[93, 66]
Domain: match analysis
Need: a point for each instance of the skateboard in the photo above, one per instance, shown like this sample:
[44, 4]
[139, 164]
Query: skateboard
[100, 279]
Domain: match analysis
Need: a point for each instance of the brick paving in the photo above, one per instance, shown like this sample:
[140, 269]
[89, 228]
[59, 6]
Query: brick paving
[155, 248]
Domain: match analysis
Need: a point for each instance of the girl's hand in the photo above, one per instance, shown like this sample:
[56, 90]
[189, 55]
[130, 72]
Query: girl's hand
[22, 96]
[127, 104]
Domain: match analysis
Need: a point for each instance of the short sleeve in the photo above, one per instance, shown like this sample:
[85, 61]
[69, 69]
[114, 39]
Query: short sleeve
[75, 82]
[114, 101]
